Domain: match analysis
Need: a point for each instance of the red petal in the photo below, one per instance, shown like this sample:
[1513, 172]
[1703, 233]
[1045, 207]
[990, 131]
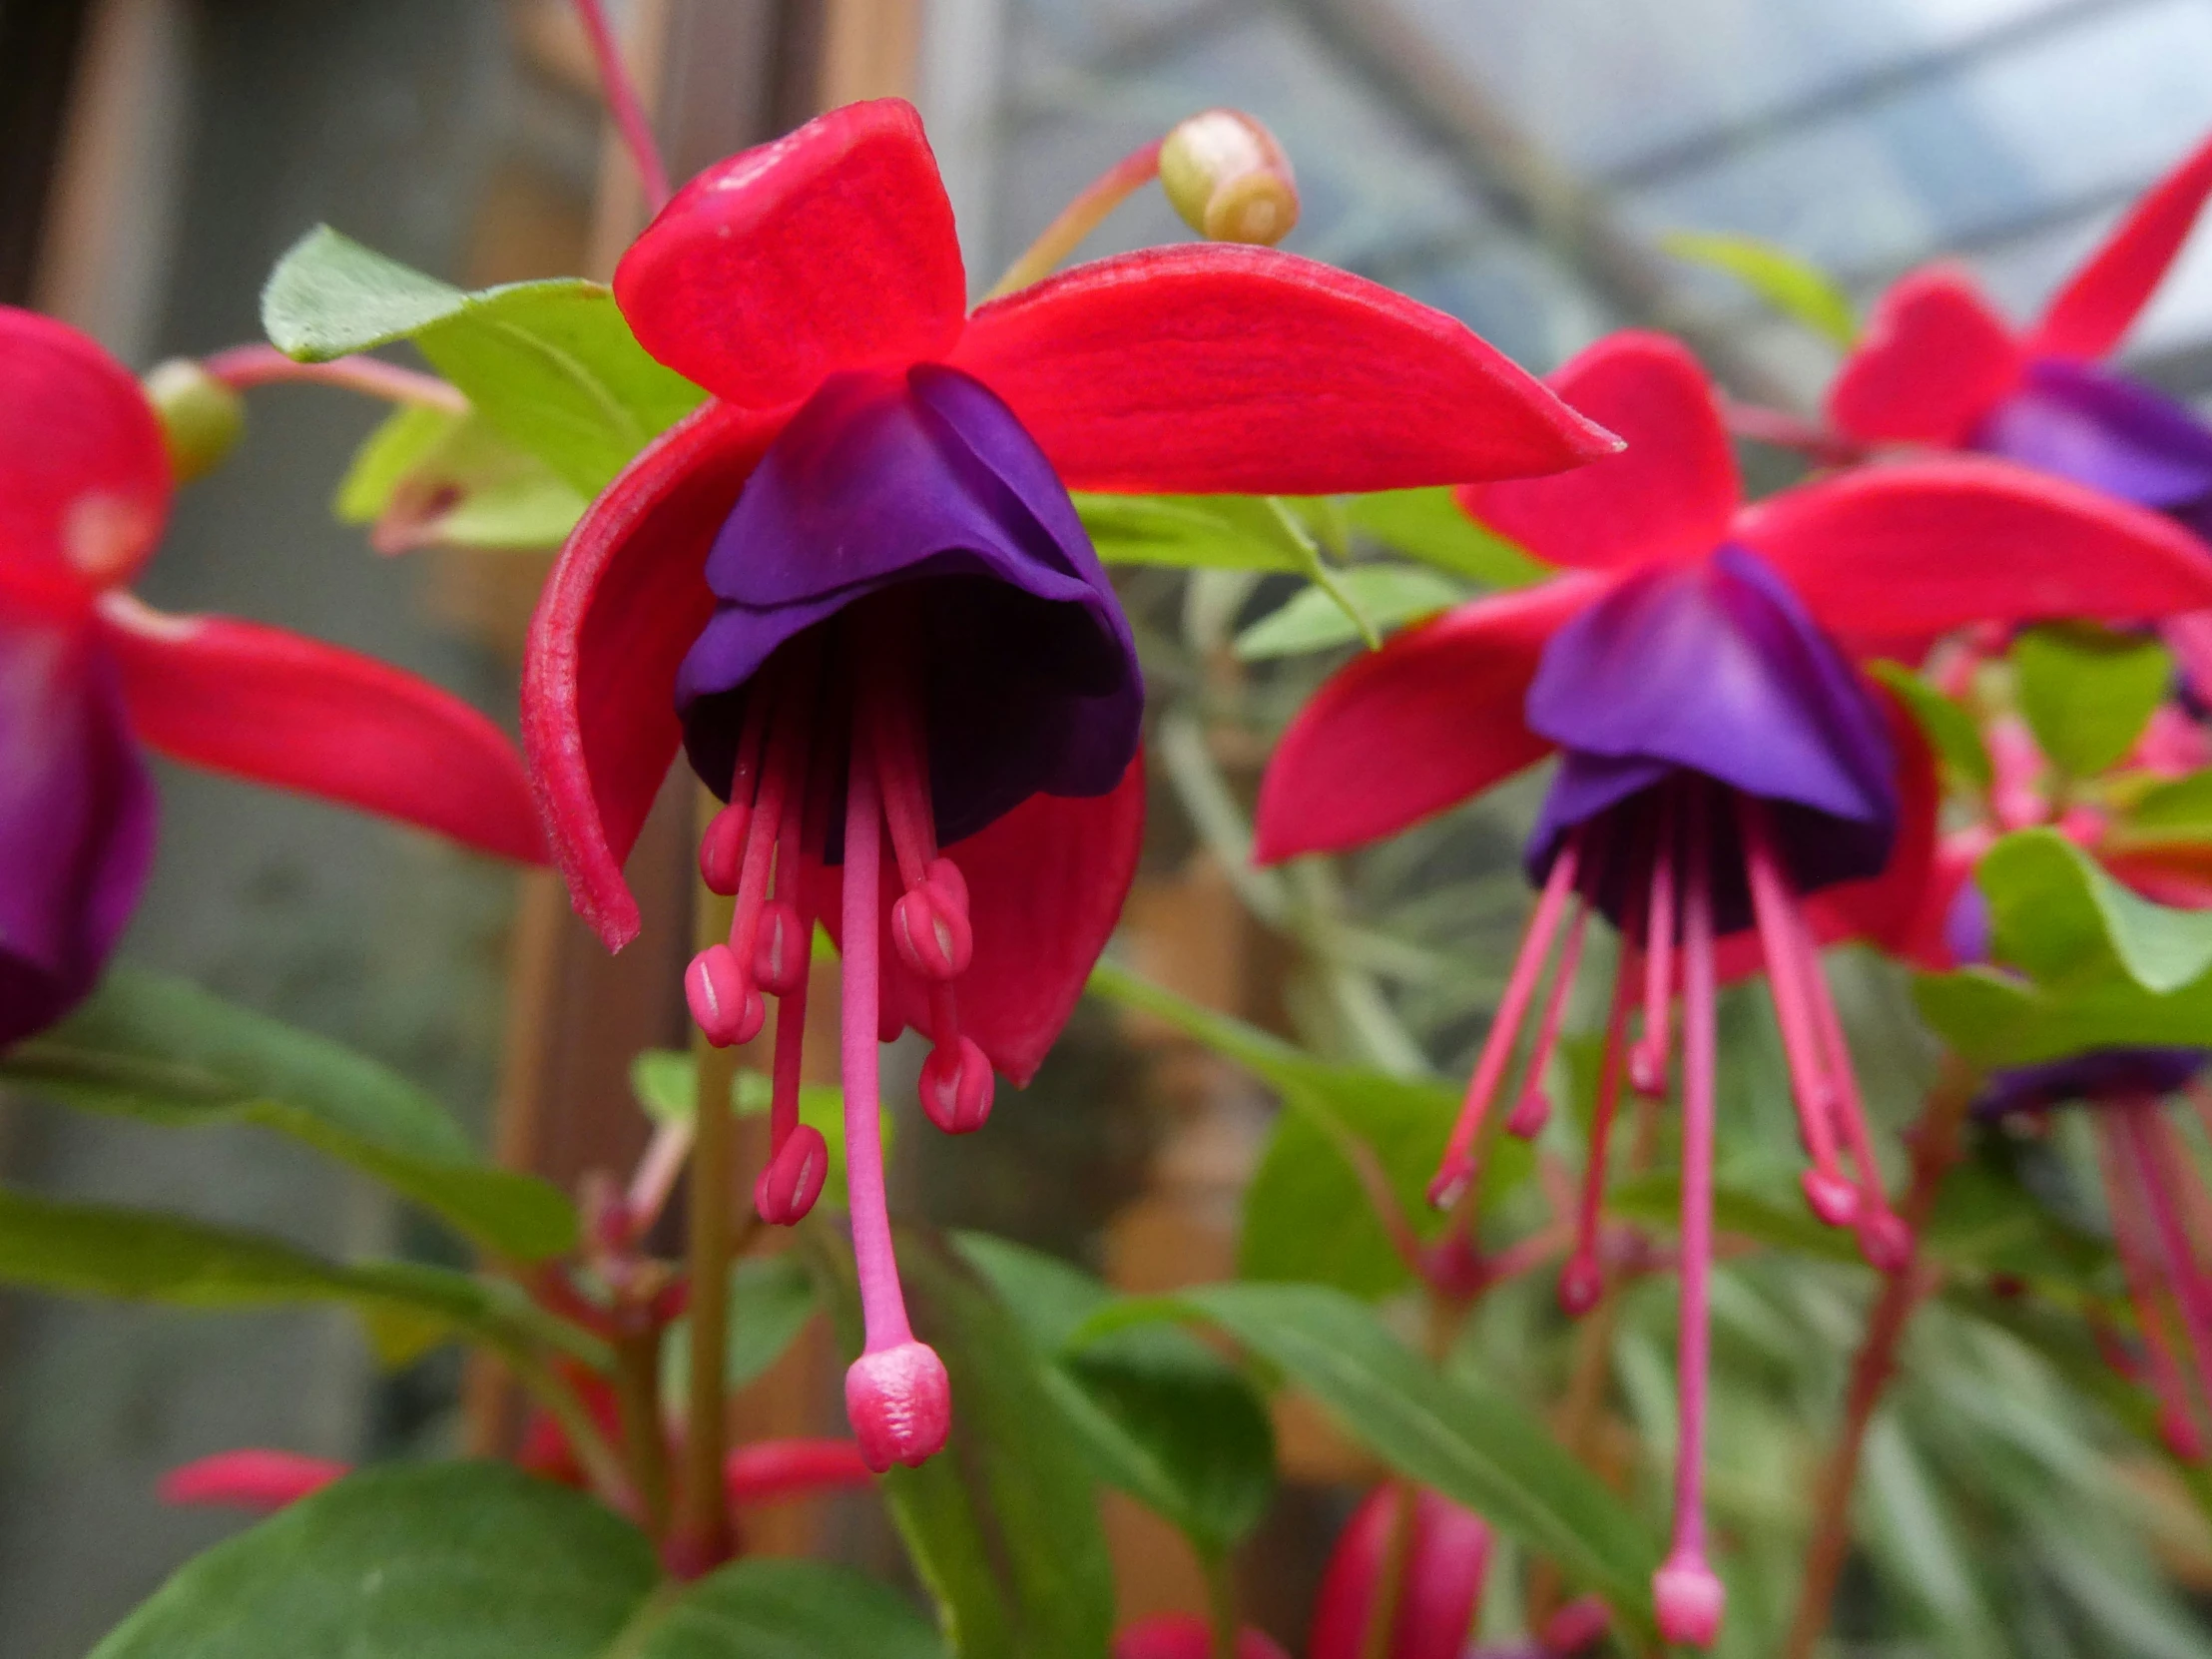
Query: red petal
[769, 1471]
[832, 248]
[1045, 887]
[1428, 721]
[84, 478]
[1215, 367]
[1668, 497]
[252, 1478]
[281, 709]
[2096, 308]
[623, 605]
[1914, 550]
[1936, 358]
[1186, 1636]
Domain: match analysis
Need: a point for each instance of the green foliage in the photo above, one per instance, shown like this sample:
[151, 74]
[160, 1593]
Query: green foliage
[551, 365]
[2102, 966]
[477, 1560]
[429, 475]
[94, 1250]
[666, 1084]
[1160, 1416]
[1794, 287]
[1390, 596]
[1459, 1436]
[771, 1299]
[168, 1052]
[1428, 525]
[1948, 728]
[2177, 812]
[2087, 692]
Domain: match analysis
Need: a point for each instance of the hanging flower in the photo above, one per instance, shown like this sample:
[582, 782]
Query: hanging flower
[89, 677]
[853, 589]
[1724, 768]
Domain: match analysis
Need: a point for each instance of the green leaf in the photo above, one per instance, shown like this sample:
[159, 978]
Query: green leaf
[1428, 525]
[768, 1609]
[1306, 1214]
[551, 365]
[94, 1250]
[1460, 1436]
[2177, 811]
[1161, 1416]
[1792, 286]
[164, 1050]
[2087, 692]
[1390, 596]
[2103, 967]
[432, 477]
[771, 1299]
[438, 1561]
[1656, 1201]
[1950, 729]
[1216, 532]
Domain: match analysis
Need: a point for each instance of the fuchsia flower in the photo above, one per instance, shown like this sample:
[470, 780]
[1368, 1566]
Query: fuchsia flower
[854, 588]
[1724, 768]
[89, 674]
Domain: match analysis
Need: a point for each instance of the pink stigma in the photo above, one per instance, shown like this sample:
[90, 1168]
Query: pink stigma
[899, 1402]
[1689, 1600]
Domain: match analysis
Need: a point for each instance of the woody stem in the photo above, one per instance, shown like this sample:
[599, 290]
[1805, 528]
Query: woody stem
[1935, 1152]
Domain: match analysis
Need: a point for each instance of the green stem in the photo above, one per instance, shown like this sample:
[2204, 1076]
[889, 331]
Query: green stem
[1220, 1603]
[600, 1465]
[643, 1443]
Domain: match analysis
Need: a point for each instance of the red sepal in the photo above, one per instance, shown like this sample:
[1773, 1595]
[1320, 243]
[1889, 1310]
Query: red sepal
[830, 248]
[1914, 550]
[84, 477]
[1215, 367]
[1186, 1636]
[1935, 359]
[252, 1477]
[2099, 302]
[626, 600]
[281, 709]
[1667, 497]
[1432, 717]
[770, 1471]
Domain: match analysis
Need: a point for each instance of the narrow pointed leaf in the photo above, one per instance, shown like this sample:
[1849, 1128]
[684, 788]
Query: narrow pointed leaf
[1793, 285]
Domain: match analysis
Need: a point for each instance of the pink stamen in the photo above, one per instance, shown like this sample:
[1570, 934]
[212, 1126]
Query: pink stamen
[623, 104]
[2140, 1267]
[1647, 1063]
[1457, 1170]
[2178, 1265]
[786, 766]
[1582, 1281]
[1827, 1189]
[1533, 1110]
[896, 1393]
[722, 847]
[1686, 1594]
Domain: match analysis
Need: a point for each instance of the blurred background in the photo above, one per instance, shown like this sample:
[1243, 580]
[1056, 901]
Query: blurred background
[1513, 164]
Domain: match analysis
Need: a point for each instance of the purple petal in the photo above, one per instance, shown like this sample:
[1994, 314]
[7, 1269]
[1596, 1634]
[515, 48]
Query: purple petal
[77, 815]
[2103, 1076]
[1714, 669]
[2106, 431]
[926, 482]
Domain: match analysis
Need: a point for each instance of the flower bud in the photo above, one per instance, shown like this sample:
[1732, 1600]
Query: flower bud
[201, 417]
[1229, 179]
[956, 1087]
[899, 1402]
[786, 1192]
[726, 1008]
[780, 945]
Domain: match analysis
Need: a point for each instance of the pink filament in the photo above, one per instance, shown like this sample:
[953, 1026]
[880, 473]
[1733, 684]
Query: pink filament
[883, 1304]
[2178, 1263]
[1585, 1276]
[1779, 935]
[2140, 1265]
[786, 766]
[1882, 1232]
[1457, 1170]
[1528, 1117]
[1648, 1065]
[1686, 1557]
[623, 104]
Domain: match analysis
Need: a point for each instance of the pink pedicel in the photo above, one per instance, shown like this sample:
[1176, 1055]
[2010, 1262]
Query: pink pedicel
[1533, 1110]
[786, 1192]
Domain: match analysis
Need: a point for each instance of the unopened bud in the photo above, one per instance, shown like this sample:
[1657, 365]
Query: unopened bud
[899, 1402]
[1229, 179]
[201, 417]
[956, 1087]
[788, 1188]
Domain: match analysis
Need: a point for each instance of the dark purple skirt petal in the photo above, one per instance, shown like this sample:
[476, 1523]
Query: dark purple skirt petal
[2103, 1076]
[924, 483]
[2106, 431]
[77, 820]
[1714, 669]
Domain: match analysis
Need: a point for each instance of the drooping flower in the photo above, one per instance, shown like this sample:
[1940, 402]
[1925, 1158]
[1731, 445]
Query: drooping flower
[1724, 768]
[1940, 365]
[853, 588]
[90, 676]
